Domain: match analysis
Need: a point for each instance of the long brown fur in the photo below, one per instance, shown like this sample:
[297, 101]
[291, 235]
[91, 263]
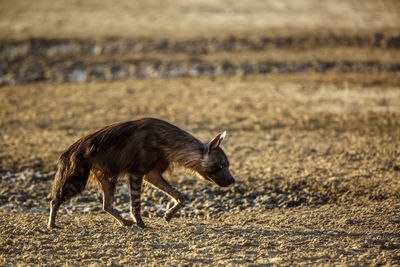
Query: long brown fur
[142, 149]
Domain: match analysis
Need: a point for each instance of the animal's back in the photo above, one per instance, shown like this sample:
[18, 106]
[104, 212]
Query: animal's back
[133, 146]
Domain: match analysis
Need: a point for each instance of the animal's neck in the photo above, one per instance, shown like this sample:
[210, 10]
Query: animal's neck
[189, 156]
[185, 152]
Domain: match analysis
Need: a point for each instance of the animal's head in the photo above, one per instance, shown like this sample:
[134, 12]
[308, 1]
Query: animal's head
[215, 164]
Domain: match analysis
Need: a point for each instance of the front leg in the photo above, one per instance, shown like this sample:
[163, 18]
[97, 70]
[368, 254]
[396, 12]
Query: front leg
[135, 184]
[156, 179]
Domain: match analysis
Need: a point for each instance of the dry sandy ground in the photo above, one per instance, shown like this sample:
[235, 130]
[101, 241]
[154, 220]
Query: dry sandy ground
[327, 235]
[316, 155]
[323, 127]
[335, 136]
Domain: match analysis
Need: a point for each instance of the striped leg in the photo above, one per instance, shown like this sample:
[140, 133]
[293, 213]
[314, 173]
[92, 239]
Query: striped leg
[155, 178]
[135, 184]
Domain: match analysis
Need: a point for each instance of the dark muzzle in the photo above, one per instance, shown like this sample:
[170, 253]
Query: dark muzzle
[222, 178]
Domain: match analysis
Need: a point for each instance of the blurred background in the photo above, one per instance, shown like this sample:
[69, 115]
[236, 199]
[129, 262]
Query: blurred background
[82, 41]
[307, 90]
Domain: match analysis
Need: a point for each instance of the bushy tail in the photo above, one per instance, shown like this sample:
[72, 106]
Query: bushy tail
[71, 178]
[72, 175]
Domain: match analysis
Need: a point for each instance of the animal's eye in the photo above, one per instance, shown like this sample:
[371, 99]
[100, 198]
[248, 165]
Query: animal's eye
[222, 165]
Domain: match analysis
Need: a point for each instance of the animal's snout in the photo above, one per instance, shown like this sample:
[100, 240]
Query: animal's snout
[223, 178]
[228, 181]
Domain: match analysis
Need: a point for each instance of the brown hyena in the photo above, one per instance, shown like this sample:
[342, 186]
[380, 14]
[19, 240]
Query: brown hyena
[142, 149]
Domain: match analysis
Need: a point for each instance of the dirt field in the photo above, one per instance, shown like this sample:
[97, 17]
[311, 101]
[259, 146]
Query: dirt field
[309, 94]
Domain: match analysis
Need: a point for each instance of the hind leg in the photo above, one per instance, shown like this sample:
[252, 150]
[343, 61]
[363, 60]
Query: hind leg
[73, 185]
[108, 190]
[54, 205]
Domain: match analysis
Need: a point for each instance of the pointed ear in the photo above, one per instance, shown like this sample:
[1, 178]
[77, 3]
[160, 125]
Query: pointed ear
[215, 142]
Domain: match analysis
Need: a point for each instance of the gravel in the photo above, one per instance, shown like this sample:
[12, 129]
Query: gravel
[68, 60]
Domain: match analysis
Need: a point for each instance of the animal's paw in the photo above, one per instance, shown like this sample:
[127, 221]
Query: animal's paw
[53, 226]
[167, 218]
[141, 224]
[126, 223]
